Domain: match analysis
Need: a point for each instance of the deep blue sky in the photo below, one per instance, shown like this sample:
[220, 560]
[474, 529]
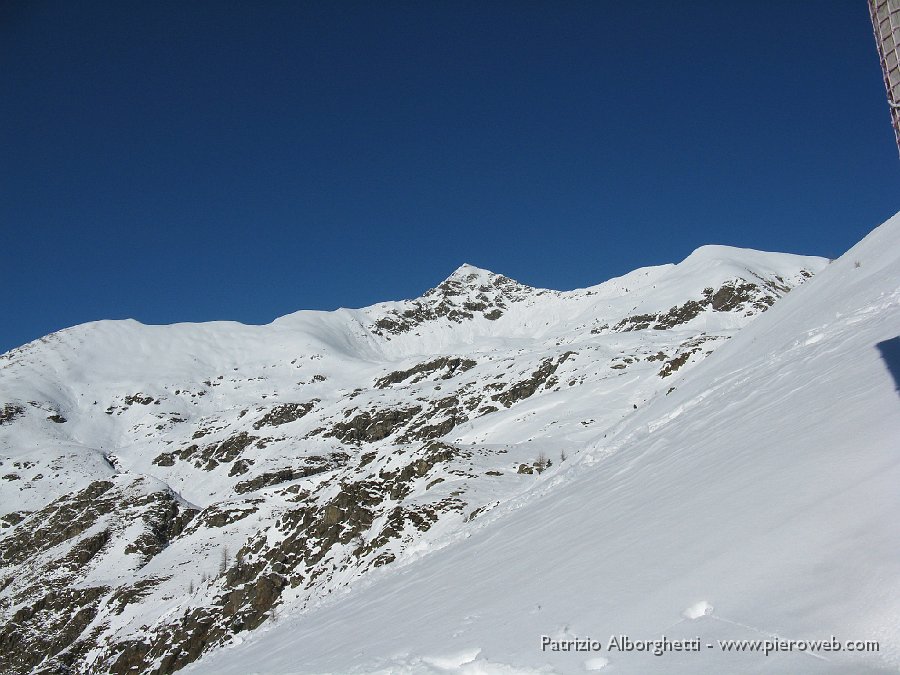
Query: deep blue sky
[189, 161]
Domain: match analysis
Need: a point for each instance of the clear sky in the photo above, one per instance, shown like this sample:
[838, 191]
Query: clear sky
[189, 161]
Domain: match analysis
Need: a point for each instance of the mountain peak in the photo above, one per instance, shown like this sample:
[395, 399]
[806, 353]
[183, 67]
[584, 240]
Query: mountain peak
[467, 293]
[468, 280]
[471, 274]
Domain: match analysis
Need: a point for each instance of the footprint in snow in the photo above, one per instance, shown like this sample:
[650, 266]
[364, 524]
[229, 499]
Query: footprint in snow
[454, 660]
[596, 663]
[697, 610]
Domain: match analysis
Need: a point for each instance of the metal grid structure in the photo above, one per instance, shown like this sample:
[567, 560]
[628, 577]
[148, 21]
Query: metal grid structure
[886, 22]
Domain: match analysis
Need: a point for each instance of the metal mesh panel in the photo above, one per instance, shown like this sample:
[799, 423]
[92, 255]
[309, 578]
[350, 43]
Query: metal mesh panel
[886, 22]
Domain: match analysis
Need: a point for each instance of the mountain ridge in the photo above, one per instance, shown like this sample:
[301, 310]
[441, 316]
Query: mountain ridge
[213, 473]
[753, 503]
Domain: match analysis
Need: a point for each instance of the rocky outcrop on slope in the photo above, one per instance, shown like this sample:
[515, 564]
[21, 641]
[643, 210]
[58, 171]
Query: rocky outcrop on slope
[737, 295]
[48, 562]
[468, 293]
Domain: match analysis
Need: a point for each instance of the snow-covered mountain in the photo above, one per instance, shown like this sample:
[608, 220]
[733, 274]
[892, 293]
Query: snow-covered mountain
[431, 485]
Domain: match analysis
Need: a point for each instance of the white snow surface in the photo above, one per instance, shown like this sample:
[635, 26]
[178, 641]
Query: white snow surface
[760, 499]
[753, 493]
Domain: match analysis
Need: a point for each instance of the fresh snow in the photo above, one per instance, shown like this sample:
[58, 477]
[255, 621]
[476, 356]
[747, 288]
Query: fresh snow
[758, 500]
[750, 494]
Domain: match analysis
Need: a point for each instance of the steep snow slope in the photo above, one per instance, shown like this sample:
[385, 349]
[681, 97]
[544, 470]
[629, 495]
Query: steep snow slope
[758, 500]
[167, 489]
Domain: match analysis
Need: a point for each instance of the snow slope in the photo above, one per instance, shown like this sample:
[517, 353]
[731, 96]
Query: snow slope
[759, 499]
[167, 490]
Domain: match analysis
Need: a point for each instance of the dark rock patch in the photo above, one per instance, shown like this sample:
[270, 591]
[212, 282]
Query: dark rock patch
[313, 465]
[10, 412]
[164, 459]
[139, 399]
[240, 467]
[526, 388]
[368, 427]
[284, 413]
[46, 628]
[453, 366]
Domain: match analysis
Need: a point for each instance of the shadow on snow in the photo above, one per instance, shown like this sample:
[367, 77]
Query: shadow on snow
[890, 353]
